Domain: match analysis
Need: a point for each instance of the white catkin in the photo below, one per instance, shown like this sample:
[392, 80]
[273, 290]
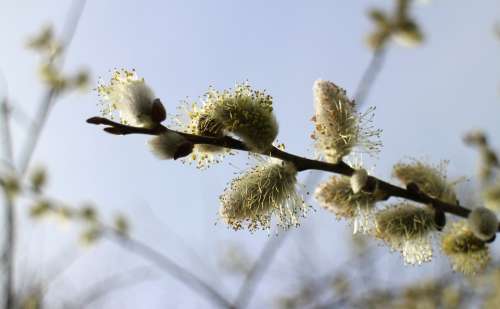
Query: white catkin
[358, 180]
[128, 95]
[165, 145]
[483, 223]
[266, 190]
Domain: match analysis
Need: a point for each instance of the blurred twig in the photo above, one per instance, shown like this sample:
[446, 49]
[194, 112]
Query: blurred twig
[6, 133]
[370, 75]
[112, 283]
[51, 94]
[26, 154]
[163, 262]
[8, 252]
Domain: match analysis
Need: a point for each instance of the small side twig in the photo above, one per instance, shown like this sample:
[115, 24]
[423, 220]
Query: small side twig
[370, 75]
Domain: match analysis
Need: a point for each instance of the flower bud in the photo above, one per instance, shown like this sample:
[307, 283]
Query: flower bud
[128, 95]
[408, 34]
[170, 145]
[358, 180]
[338, 127]
[491, 197]
[336, 196]
[38, 179]
[248, 114]
[428, 179]
[407, 228]
[483, 223]
[467, 253]
[266, 190]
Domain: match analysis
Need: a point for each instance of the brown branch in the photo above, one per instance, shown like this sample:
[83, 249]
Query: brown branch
[301, 163]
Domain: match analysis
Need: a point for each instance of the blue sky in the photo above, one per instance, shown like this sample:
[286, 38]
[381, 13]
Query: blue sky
[426, 98]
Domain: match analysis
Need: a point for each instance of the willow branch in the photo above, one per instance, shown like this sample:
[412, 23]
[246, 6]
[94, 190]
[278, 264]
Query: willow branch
[257, 272]
[51, 94]
[166, 264]
[8, 249]
[301, 163]
[112, 283]
[6, 132]
[370, 75]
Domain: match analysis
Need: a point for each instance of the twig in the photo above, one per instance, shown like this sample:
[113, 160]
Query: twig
[301, 163]
[51, 94]
[258, 270]
[8, 250]
[166, 264]
[113, 282]
[33, 136]
[6, 133]
[370, 75]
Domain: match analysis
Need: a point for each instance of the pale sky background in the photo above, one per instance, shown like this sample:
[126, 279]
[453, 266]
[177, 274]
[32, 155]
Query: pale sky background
[426, 98]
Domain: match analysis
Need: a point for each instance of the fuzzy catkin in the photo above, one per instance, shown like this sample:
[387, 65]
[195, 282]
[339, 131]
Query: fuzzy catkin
[407, 228]
[166, 145]
[338, 128]
[336, 196]
[467, 253]
[266, 190]
[483, 223]
[128, 95]
[430, 179]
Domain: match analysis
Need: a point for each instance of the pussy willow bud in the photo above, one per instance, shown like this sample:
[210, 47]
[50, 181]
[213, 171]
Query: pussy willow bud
[38, 179]
[467, 253]
[246, 113]
[429, 179]
[491, 197]
[378, 17]
[88, 213]
[408, 229]
[358, 180]
[40, 209]
[11, 186]
[338, 127]
[121, 225]
[483, 223]
[336, 196]
[158, 111]
[168, 145]
[45, 43]
[266, 190]
[408, 34]
[128, 95]
[81, 80]
[90, 235]
[475, 138]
